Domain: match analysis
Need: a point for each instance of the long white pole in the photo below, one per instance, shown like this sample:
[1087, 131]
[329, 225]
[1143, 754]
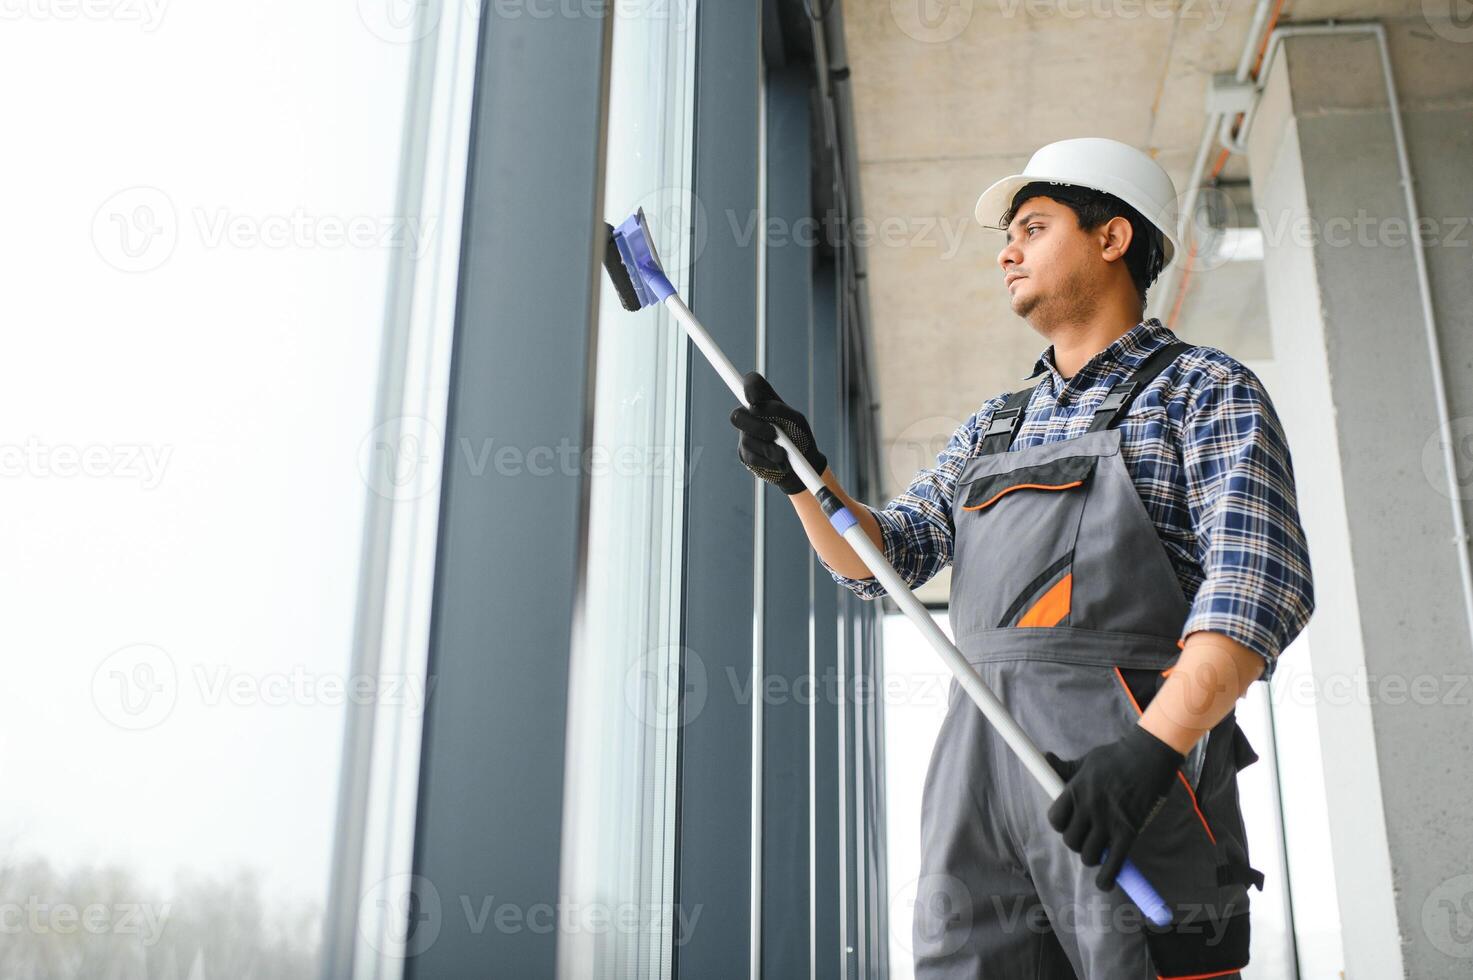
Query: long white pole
[1129, 878]
[874, 560]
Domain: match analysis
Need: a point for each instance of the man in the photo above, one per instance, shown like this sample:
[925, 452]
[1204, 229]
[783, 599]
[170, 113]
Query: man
[1127, 557]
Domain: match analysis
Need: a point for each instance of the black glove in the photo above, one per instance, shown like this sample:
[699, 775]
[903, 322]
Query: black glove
[757, 445]
[1110, 794]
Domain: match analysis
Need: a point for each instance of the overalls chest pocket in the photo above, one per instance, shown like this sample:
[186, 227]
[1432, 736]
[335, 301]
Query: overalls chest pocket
[1064, 473]
[1016, 530]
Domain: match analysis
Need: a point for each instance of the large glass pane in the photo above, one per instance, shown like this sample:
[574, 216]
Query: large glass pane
[200, 219]
[619, 830]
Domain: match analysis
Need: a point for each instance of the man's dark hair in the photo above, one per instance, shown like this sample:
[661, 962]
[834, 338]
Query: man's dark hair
[1092, 208]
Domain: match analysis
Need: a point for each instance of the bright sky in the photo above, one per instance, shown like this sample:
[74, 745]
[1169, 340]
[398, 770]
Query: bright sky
[197, 198]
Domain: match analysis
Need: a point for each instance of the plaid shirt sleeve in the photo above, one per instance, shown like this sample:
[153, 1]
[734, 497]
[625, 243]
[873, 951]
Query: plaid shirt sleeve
[1240, 493]
[916, 526]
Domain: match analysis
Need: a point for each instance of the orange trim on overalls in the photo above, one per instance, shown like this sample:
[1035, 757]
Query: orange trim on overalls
[1203, 976]
[1179, 775]
[1052, 606]
[1180, 645]
[1022, 486]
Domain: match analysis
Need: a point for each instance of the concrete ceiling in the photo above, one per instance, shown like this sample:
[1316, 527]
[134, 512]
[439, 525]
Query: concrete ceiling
[947, 103]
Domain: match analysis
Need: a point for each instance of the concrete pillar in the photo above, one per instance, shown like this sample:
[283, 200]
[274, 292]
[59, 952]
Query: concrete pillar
[1389, 641]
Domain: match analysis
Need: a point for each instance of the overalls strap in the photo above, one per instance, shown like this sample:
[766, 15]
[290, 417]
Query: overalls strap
[999, 435]
[1117, 402]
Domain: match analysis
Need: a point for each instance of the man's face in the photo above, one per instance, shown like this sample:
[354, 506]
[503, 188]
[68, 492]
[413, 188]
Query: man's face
[1049, 264]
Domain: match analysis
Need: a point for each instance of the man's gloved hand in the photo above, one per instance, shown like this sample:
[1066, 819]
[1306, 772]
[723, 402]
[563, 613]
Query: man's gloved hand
[757, 445]
[1110, 794]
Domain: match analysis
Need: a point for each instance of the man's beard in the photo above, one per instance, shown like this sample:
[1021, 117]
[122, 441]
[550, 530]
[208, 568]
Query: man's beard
[1072, 302]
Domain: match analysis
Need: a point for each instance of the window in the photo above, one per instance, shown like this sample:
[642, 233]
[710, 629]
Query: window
[624, 700]
[201, 232]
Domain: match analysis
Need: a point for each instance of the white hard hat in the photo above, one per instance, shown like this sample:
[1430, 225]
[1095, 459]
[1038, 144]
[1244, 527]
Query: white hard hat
[1103, 164]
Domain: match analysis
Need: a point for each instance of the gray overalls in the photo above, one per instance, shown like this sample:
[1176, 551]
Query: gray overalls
[1066, 603]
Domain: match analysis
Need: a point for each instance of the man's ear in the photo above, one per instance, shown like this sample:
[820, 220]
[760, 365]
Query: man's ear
[1115, 237]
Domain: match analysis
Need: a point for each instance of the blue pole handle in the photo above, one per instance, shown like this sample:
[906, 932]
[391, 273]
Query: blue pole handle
[1140, 891]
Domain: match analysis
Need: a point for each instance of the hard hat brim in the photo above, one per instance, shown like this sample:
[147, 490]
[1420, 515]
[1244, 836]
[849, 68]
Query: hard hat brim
[996, 198]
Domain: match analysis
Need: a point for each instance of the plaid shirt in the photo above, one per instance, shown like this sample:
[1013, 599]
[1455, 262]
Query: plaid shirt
[1205, 450]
